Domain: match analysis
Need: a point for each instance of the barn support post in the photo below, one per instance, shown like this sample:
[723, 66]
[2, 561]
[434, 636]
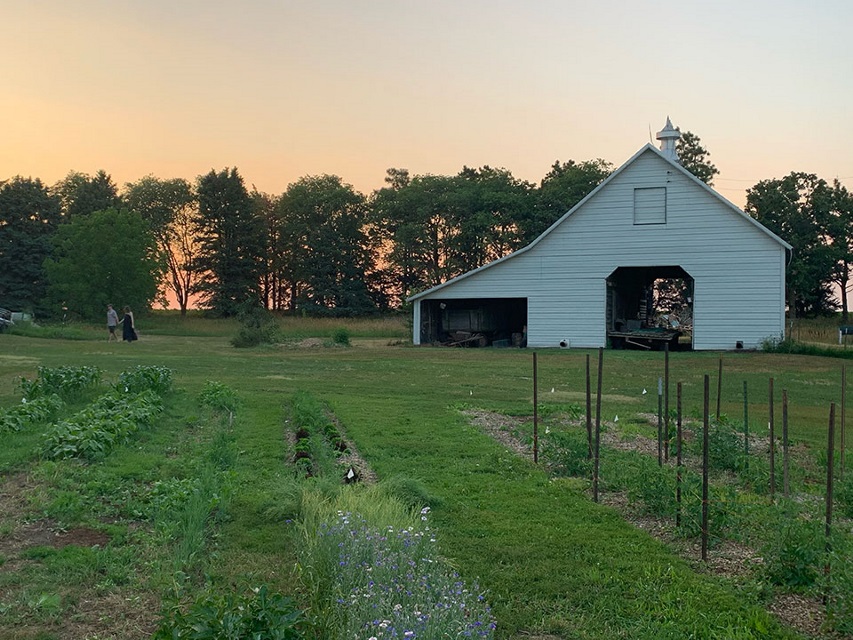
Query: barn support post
[705, 429]
[535, 410]
[597, 426]
[416, 323]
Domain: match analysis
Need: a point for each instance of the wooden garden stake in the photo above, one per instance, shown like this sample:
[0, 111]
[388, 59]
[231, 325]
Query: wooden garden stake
[772, 428]
[535, 411]
[705, 428]
[843, 415]
[719, 387]
[660, 422]
[597, 427]
[666, 401]
[830, 463]
[785, 486]
[588, 412]
[745, 426]
[678, 458]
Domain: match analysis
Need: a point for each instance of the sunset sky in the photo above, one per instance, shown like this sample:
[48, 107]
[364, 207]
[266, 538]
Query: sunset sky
[284, 89]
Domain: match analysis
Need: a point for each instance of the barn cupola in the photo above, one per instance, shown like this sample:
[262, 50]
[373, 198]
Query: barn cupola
[668, 136]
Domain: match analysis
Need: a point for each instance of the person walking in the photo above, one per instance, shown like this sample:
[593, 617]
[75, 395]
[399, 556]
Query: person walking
[128, 329]
[112, 323]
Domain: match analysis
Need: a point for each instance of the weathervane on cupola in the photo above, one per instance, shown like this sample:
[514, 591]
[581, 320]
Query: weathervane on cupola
[668, 136]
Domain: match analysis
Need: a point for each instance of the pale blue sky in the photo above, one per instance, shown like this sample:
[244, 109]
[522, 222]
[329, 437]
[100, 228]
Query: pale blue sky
[287, 89]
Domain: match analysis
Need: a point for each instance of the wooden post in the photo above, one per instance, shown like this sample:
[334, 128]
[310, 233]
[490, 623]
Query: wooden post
[660, 422]
[785, 484]
[843, 415]
[830, 463]
[666, 402]
[597, 427]
[678, 458]
[535, 411]
[772, 428]
[705, 428]
[745, 426]
[719, 387]
[588, 412]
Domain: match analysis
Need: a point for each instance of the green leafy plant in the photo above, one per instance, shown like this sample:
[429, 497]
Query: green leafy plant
[94, 431]
[219, 397]
[257, 614]
[341, 337]
[62, 381]
[41, 410]
[144, 378]
[795, 554]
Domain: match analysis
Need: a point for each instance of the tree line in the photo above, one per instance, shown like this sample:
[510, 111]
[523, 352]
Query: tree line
[323, 248]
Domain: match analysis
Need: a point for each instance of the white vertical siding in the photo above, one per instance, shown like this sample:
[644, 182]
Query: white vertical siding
[738, 270]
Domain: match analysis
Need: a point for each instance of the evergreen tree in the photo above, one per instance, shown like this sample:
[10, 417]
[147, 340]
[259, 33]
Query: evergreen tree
[29, 216]
[694, 157]
[230, 250]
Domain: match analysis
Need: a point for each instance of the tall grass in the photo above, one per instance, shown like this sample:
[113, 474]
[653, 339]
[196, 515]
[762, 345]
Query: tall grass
[374, 570]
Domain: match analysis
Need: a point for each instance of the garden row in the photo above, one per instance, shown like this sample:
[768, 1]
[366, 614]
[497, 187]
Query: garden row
[723, 490]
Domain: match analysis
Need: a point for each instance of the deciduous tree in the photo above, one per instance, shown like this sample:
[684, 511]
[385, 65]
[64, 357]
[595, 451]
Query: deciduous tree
[82, 194]
[106, 257]
[169, 208]
[564, 186]
[323, 231]
[797, 209]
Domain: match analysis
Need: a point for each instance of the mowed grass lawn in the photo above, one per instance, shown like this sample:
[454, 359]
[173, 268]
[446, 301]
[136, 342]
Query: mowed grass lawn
[553, 563]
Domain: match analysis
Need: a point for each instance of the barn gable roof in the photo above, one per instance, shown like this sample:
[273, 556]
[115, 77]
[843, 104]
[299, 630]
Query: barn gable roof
[648, 148]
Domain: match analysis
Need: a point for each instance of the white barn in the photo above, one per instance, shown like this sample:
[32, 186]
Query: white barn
[587, 278]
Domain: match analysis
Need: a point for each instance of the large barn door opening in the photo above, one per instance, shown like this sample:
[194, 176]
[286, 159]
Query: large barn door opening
[474, 322]
[649, 307]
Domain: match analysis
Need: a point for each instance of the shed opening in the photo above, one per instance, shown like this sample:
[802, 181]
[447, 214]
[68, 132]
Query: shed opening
[650, 307]
[474, 322]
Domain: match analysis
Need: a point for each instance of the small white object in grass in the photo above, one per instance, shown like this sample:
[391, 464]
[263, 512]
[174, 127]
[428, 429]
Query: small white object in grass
[616, 419]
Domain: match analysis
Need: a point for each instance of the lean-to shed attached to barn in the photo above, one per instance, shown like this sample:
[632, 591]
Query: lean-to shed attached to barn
[589, 280]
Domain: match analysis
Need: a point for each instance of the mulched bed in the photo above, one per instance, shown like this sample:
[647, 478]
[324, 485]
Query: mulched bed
[728, 559]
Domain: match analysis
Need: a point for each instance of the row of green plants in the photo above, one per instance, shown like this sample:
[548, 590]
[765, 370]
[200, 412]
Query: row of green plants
[94, 431]
[319, 443]
[788, 532]
[28, 414]
[186, 512]
[67, 382]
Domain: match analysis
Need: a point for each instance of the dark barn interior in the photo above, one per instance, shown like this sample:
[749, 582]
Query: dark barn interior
[474, 322]
[649, 308]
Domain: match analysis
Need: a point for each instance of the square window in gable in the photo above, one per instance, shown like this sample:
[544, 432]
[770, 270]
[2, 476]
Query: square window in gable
[650, 205]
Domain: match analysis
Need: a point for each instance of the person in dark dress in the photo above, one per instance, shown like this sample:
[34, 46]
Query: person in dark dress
[128, 328]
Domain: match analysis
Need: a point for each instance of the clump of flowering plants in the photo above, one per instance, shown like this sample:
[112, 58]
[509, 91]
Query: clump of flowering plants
[389, 582]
